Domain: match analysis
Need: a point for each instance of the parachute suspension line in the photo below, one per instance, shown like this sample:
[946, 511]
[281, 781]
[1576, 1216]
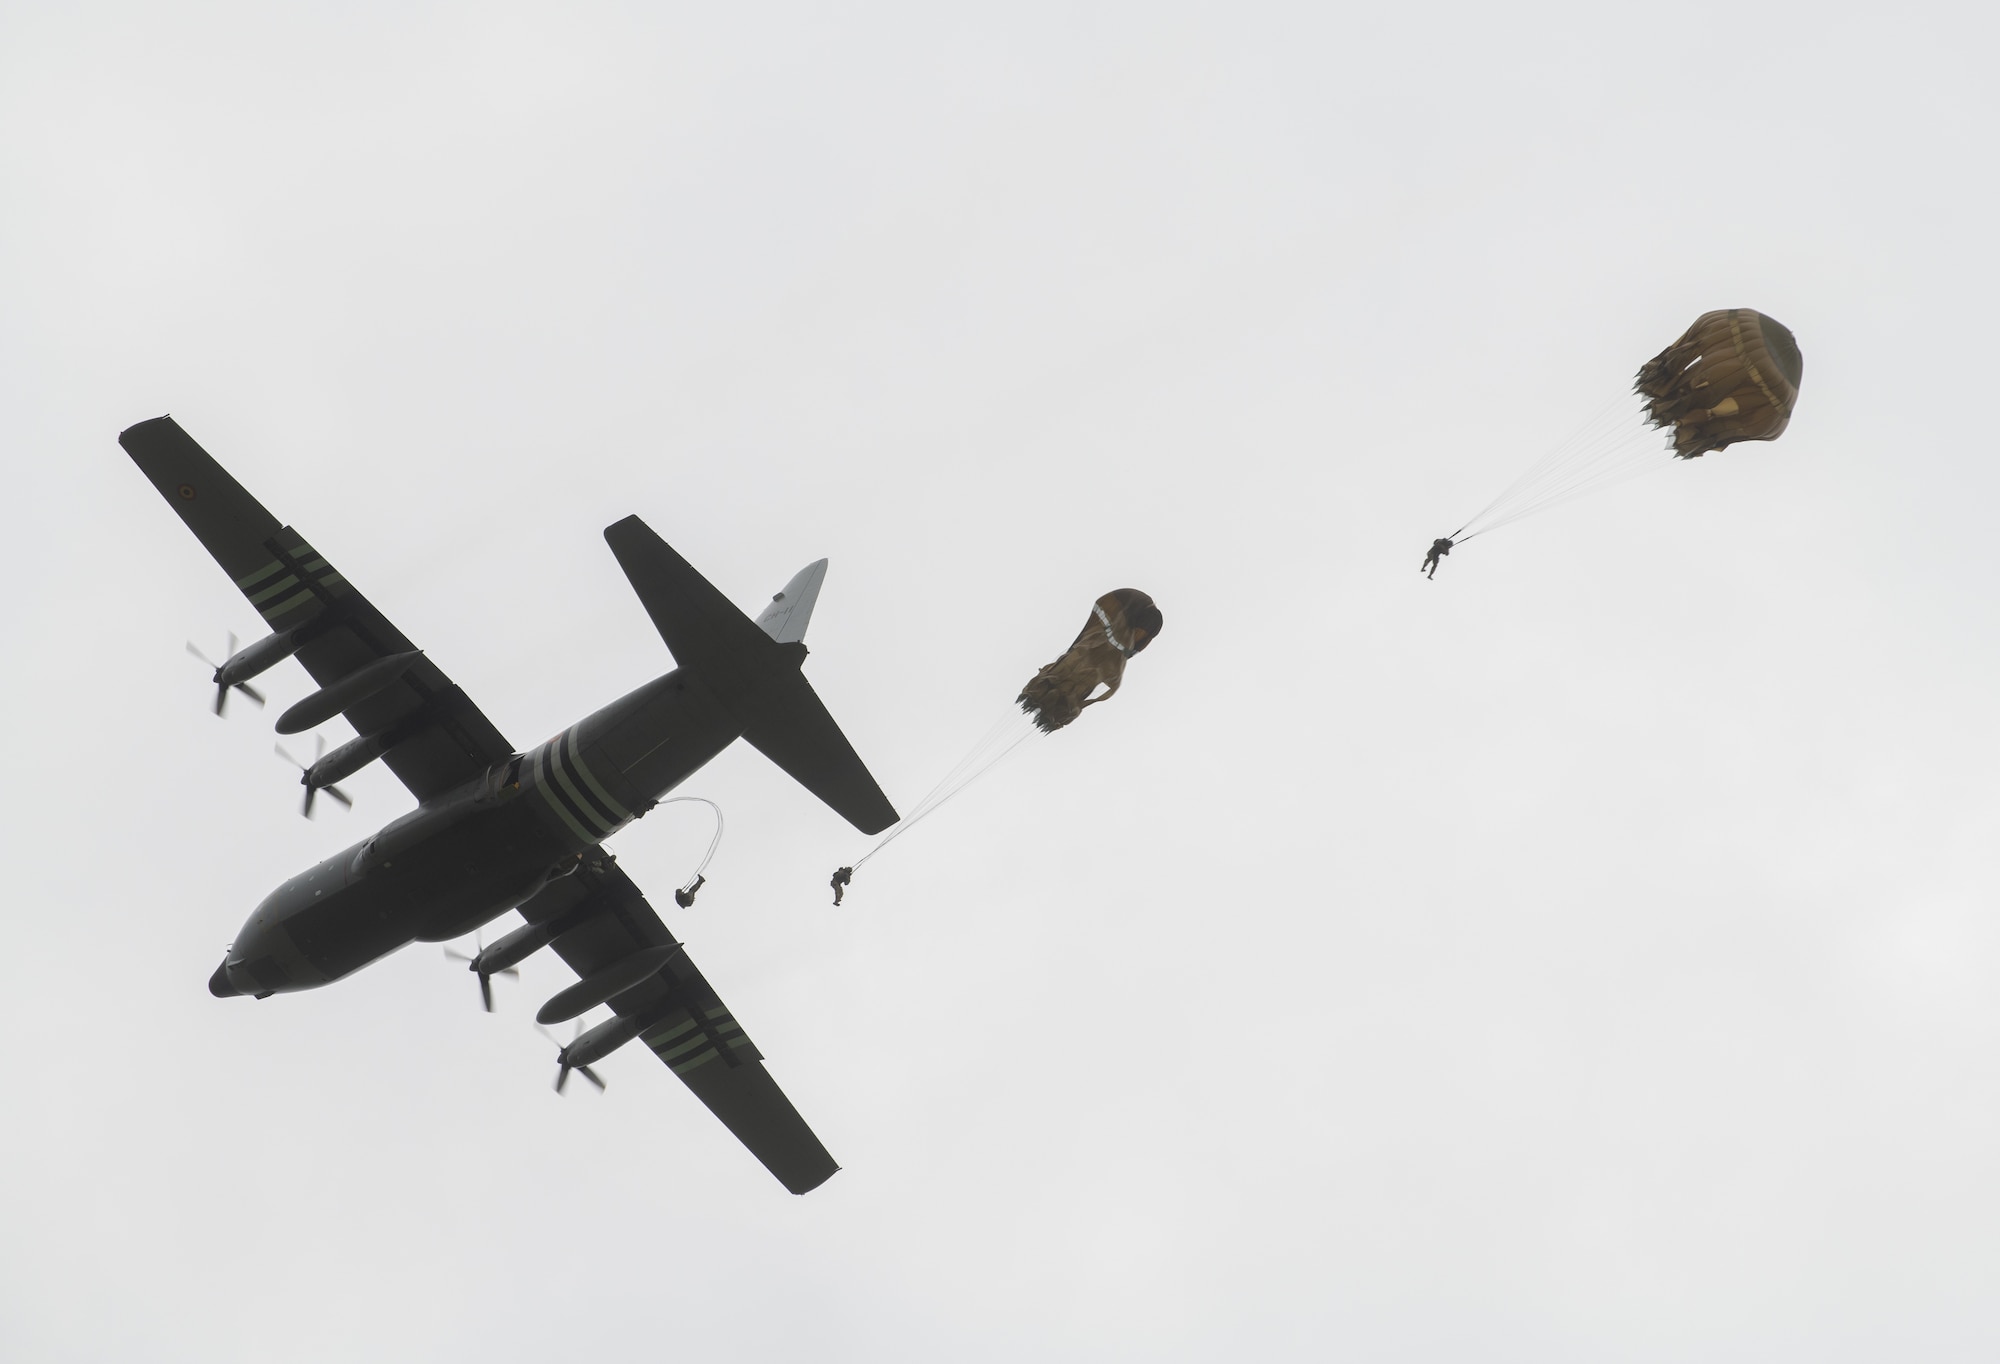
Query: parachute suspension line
[1559, 467]
[932, 807]
[1609, 448]
[687, 886]
[1007, 734]
[1542, 467]
[1000, 729]
[1634, 454]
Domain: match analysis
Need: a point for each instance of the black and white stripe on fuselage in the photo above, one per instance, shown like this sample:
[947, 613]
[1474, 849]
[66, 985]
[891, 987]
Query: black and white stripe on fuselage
[576, 799]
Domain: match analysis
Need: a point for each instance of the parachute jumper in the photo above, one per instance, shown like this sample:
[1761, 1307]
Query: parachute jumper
[1122, 623]
[1733, 376]
[1439, 548]
[685, 893]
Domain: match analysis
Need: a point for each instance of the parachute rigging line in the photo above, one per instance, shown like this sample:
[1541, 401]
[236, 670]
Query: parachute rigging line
[1601, 453]
[688, 885]
[1545, 467]
[1008, 733]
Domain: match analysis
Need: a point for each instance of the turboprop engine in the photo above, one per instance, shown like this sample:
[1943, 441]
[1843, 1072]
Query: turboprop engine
[593, 1045]
[240, 665]
[336, 697]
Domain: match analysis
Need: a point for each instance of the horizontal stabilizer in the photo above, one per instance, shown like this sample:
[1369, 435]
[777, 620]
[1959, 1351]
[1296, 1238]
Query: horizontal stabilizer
[753, 673]
[800, 736]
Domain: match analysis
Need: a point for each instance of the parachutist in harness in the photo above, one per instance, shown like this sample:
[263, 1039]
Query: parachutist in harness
[1439, 548]
[839, 883]
[685, 898]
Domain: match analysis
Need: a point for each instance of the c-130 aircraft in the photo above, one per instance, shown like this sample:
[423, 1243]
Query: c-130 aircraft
[496, 829]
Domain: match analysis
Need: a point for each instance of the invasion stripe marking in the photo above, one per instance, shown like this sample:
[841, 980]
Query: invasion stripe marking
[312, 565]
[289, 580]
[273, 612]
[545, 775]
[566, 760]
[563, 791]
[671, 1052]
[251, 580]
[671, 1033]
[567, 818]
[569, 788]
[686, 1066]
[590, 780]
[548, 794]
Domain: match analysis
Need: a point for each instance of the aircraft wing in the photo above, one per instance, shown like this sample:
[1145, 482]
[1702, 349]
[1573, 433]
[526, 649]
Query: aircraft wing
[438, 738]
[688, 1026]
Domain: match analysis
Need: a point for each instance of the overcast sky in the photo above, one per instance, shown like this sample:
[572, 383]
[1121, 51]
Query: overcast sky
[1588, 955]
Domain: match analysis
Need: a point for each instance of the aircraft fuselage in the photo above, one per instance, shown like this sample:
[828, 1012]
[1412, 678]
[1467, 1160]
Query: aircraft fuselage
[469, 856]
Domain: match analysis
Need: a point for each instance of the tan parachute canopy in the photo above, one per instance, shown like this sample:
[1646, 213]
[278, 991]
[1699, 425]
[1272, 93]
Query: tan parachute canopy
[1733, 375]
[1120, 625]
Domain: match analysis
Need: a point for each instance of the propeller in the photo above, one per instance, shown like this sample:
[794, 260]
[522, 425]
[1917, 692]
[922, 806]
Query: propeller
[472, 964]
[305, 778]
[222, 689]
[563, 1067]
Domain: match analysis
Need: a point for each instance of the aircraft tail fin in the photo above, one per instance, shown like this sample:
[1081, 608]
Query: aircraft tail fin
[785, 618]
[753, 669]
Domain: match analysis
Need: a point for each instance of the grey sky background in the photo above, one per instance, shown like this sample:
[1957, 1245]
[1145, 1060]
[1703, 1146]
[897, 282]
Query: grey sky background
[1588, 955]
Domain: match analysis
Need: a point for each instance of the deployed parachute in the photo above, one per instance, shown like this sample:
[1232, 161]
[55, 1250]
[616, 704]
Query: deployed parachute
[1733, 376]
[1121, 624]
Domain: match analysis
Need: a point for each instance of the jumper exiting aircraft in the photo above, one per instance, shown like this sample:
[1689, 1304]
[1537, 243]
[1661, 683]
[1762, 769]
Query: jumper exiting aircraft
[495, 829]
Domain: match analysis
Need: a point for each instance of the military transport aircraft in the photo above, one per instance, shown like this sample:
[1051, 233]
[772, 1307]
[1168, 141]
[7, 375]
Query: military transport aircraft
[496, 829]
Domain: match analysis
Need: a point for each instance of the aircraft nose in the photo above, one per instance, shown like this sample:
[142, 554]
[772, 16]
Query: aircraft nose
[220, 984]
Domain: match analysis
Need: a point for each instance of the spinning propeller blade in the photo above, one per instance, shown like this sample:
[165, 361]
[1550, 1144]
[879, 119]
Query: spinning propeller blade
[222, 689]
[563, 1067]
[305, 777]
[473, 964]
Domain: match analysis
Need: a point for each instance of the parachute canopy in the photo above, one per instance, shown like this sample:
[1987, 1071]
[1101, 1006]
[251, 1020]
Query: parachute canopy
[1733, 375]
[1121, 624]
